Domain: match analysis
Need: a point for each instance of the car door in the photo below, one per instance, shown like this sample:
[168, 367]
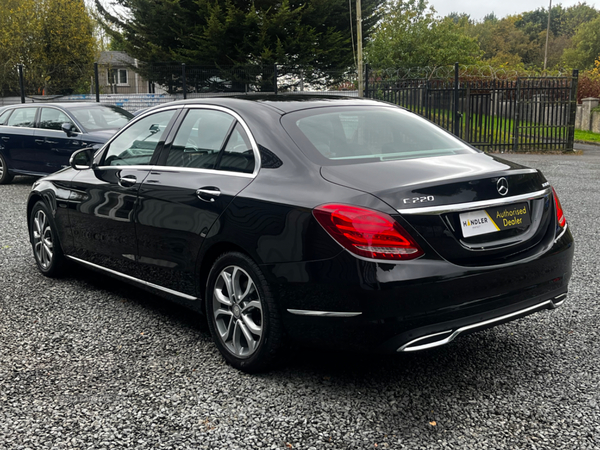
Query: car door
[103, 199]
[210, 160]
[17, 140]
[54, 146]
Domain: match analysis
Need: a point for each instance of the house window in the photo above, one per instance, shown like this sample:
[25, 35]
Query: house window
[118, 77]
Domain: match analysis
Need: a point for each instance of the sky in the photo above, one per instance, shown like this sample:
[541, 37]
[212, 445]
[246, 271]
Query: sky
[478, 9]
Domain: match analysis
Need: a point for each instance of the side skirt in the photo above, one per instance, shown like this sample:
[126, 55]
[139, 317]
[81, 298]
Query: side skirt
[134, 280]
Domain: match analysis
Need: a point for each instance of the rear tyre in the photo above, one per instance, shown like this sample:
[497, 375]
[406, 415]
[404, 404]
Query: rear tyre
[5, 177]
[44, 239]
[242, 316]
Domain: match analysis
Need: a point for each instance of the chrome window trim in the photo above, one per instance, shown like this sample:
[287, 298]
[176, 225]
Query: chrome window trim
[174, 169]
[306, 312]
[442, 209]
[257, 159]
[136, 280]
[147, 167]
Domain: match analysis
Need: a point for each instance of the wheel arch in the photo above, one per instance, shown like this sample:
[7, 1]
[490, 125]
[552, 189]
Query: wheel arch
[34, 197]
[208, 258]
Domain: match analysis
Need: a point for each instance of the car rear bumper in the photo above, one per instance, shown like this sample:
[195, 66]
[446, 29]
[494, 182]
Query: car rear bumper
[430, 340]
[351, 303]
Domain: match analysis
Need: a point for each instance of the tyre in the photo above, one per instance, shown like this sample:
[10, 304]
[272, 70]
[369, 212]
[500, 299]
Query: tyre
[5, 177]
[44, 240]
[242, 316]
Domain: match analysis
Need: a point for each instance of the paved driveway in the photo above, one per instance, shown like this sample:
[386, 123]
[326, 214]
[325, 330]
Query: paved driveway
[87, 362]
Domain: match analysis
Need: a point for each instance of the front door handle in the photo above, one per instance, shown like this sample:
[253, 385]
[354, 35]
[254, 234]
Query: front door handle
[208, 193]
[39, 141]
[127, 180]
[5, 138]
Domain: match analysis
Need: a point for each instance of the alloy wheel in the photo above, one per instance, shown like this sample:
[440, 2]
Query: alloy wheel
[237, 311]
[42, 239]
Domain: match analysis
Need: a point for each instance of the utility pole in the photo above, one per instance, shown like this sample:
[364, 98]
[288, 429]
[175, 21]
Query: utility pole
[547, 34]
[359, 48]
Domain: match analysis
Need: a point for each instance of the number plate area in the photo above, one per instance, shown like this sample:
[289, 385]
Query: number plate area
[492, 220]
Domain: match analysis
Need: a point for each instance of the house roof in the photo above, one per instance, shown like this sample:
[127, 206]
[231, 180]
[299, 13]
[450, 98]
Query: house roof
[115, 59]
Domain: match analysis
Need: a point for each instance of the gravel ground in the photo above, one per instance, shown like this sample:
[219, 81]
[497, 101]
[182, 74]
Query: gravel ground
[87, 362]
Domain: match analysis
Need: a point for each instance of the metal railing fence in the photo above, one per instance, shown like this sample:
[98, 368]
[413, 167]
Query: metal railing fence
[494, 111]
[493, 114]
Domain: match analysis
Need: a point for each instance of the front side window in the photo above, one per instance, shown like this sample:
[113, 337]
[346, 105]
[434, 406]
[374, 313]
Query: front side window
[346, 135]
[52, 119]
[22, 117]
[200, 139]
[136, 144]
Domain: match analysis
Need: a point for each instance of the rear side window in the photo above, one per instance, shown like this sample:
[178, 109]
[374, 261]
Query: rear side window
[22, 117]
[345, 135]
[238, 155]
[210, 139]
[136, 145]
[200, 139]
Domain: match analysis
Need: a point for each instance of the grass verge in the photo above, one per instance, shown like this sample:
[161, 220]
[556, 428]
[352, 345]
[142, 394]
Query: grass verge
[587, 136]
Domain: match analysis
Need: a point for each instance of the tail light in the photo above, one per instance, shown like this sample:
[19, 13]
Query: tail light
[560, 215]
[367, 233]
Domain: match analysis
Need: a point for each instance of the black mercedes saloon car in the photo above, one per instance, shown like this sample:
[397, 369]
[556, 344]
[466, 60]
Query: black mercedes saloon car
[339, 221]
[39, 139]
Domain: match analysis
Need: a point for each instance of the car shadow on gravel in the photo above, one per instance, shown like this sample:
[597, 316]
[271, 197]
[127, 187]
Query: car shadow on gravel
[24, 180]
[490, 357]
[150, 302]
[487, 358]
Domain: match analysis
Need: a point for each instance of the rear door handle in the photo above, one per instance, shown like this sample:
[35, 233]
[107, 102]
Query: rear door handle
[208, 193]
[5, 138]
[39, 141]
[127, 180]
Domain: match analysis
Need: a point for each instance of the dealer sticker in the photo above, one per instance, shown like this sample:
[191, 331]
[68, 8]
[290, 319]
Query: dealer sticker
[491, 220]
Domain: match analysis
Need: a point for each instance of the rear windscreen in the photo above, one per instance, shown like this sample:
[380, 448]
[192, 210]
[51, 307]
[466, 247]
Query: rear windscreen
[343, 135]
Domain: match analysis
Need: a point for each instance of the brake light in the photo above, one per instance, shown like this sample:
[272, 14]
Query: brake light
[560, 215]
[368, 233]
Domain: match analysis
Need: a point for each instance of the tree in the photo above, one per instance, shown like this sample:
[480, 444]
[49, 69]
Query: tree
[586, 46]
[54, 41]
[409, 35]
[500, 39]
[239, 32]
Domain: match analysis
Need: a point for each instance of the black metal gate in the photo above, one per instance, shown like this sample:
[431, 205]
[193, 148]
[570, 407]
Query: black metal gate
[520, 114]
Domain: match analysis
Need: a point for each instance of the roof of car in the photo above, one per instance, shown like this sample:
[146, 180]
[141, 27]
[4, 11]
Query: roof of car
[283, 103]
[65, 105]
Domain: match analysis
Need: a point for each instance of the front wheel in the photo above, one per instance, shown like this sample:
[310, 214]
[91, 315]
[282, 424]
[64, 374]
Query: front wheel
[5, 176]
[242, 316]
[44, 240]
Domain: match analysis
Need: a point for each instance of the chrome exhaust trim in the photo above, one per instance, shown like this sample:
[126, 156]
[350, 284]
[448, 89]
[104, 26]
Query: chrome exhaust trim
[447, 336]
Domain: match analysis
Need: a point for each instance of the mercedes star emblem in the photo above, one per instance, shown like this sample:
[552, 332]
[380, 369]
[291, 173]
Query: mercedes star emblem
[502, 186]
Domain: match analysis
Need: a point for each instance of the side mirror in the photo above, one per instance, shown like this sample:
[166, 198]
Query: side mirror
[68, 128]
[82, 159]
